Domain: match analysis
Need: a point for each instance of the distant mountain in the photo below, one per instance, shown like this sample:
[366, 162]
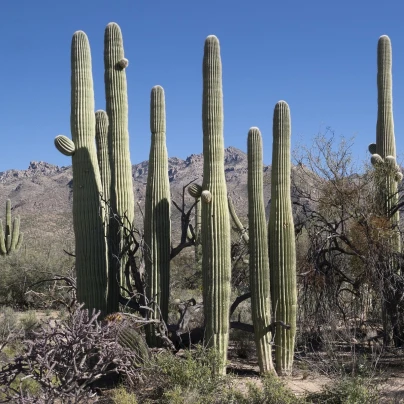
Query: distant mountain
[42, 194]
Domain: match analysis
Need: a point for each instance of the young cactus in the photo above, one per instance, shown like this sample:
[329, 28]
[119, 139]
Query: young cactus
[258, 248]
[157, 224]
[216, 259]
[11, 239]
[282, 249]
[121, 191]
[91, 259]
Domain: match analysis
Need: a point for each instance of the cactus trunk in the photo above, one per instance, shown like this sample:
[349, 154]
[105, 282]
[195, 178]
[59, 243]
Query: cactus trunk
[157, 225]
[91, 264]
[216, 263]
[282, 250]
[258, 248]
[121, 191]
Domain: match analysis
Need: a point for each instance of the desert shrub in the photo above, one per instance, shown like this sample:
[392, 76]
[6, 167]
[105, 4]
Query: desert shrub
[29, 322]
[28, 267]
[273, 391]
[66, 358]
[121, 395]
[182, 378]
[10, 329]
[347, 390]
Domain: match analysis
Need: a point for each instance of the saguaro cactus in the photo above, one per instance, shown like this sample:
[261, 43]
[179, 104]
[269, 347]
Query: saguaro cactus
[11, 239]
[216, 260]
[282, 249]
[258, 248]
[121, 192]
[388, 173]
[91, 263]
[157, 225]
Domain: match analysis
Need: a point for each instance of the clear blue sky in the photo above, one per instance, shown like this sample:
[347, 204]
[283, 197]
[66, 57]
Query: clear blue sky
[318, 55]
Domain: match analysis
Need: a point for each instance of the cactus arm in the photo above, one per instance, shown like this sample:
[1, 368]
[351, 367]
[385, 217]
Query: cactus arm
[282, 249]
[239, 226]
[101, 139]
[15, 234]
[3, 249]
[195, 190]
[258, 247]
[216, 258]
[65, 145]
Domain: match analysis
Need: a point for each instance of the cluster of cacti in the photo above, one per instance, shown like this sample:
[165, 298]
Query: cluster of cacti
[215, 224]
[258, 249]
[281, 236]
[388, 173]
[11, 238]
[102, 176]
[157, 224]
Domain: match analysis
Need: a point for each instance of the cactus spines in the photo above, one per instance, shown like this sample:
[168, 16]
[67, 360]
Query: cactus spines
[216, 259]
[157, 225]
[121, 190]
[282, 249]
[65, 145]
[258, 248]
[91, 264]
[101, 140]
[11, 239]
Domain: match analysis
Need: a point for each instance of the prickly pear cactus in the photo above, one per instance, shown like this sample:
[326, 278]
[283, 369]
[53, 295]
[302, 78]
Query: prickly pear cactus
[11, 239]
[282, 249]
[258, 248]
[216, 260]
[157, 224]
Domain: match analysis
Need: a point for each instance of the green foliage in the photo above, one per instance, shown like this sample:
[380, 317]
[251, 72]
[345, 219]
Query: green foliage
[355, 390]
[273, 391]
[121, 395]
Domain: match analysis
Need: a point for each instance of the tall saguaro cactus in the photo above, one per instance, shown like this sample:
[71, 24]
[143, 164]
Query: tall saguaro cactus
[121, 192]
[258, 248]
[388, 173]
[11, 239]
[216, 261]
[91, 262]
[157, 225]
[282, 249]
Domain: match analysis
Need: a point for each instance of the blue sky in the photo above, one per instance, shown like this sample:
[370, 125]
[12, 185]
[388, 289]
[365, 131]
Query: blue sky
[319, 56]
